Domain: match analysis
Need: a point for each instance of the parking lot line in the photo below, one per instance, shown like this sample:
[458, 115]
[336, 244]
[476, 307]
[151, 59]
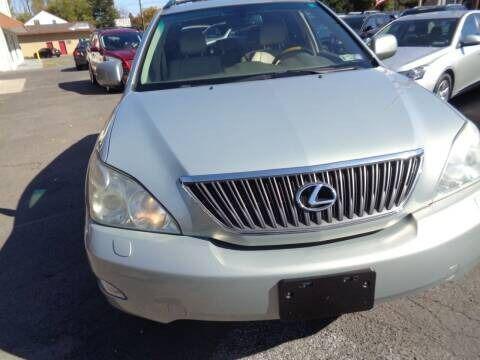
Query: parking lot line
[12, 86]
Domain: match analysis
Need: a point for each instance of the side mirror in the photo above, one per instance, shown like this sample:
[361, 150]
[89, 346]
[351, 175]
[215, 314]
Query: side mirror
[384, 46]
[470, 40]
[110, 73]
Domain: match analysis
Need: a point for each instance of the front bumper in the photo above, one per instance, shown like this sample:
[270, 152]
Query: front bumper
[167, 277]
[80, 60]
[428, 82]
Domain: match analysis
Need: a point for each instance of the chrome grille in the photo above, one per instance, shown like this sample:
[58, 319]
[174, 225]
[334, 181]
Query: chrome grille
[263, 202]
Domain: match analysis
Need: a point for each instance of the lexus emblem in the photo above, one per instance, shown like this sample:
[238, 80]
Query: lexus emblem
[316, 197]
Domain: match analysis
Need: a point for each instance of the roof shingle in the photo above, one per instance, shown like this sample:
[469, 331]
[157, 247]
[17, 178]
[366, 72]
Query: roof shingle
[9, 23]
[57, 28]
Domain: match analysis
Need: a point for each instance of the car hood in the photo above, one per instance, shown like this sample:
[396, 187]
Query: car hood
[125, 54]
[159, 136]
[408, 57]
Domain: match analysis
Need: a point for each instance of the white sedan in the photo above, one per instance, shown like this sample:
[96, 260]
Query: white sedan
[440, 51]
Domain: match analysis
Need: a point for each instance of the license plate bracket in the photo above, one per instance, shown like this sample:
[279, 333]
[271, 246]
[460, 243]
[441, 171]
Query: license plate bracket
[326, 296]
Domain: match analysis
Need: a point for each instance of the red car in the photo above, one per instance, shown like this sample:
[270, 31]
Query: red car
[113, 44]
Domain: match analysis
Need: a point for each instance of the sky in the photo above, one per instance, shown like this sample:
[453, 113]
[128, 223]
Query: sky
[126, 5]
[132, 5]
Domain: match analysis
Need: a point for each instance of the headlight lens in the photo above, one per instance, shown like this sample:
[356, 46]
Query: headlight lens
[116, 200]
[463, 166]
[415, 73]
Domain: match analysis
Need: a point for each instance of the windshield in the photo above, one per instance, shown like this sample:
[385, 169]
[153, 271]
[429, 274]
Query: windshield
[83, 43]
[121, 41]
[354, 22]
[422, 33]
[236, 42]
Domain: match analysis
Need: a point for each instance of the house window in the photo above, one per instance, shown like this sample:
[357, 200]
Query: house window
[54, 21]
[36, 22]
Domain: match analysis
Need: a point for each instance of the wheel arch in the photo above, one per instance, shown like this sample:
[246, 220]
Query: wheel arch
[450, 72]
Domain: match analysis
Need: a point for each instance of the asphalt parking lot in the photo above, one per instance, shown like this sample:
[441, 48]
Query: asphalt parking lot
[50, 307]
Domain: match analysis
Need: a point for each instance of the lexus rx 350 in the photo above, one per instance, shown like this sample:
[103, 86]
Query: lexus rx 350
[264, 164]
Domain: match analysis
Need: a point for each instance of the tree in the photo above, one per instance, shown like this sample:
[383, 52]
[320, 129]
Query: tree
[78, 10]
[362, 5]
[37, 6]
[103, 12]
[349, 5]
[148, 15]
[337, 5]
[23, 17]
[408, 3]
[26, 6]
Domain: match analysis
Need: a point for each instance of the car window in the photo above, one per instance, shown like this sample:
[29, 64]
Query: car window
[232, 42]
[120, 41]
[371, 23]
[355, 22]
[477, 17]
[470, 27]
[422, 33]
[380, 20]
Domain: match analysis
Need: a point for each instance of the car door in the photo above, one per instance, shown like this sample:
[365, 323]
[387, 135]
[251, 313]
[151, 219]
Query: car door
[89, 48]
[95, 55]
[467, 70]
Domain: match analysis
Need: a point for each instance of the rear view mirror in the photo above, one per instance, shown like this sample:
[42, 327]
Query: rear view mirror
[470, 40]
[110, 73]
[384, 46]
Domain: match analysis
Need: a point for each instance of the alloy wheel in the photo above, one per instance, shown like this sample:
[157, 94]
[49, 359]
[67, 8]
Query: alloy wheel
[443, 90]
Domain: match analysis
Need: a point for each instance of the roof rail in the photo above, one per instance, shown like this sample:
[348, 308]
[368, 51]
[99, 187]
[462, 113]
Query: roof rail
[171, 3]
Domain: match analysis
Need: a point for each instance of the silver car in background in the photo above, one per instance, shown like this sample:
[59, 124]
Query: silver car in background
[440, 50]
[246, 175]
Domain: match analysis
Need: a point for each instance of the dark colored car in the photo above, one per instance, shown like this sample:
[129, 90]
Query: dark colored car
[113, 44]
[367, 24]
[80, 54]
[45, 53]
[427, 9]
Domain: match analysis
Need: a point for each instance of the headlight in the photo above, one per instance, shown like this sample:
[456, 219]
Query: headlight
[115, 199]
[415, 73]
[463, 165]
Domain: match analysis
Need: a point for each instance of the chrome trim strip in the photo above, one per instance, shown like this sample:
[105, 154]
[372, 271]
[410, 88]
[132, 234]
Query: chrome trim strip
[303, 229]
[415, 168]
[248, 175]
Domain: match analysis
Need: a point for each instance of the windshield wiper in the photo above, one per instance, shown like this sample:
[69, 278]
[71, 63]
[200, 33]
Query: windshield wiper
[319, 71]
[293, 72]
[332, 69]
[277, 74]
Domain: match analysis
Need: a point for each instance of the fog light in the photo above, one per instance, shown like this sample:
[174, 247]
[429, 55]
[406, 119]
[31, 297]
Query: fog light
[112, 290]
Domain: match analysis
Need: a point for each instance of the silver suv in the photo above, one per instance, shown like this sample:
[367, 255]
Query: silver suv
[263, 164]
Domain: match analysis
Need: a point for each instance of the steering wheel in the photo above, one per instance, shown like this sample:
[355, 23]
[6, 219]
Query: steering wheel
[291, 51]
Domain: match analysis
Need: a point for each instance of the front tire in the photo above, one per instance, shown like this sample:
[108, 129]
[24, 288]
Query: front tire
[444, 87]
